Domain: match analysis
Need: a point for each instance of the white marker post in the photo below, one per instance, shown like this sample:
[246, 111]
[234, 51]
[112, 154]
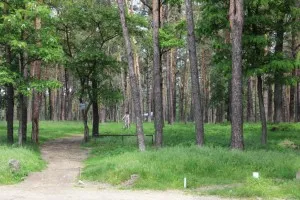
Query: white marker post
[255, 175]
[184, 182]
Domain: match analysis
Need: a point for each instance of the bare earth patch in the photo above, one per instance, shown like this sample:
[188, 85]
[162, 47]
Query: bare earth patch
[60, 180]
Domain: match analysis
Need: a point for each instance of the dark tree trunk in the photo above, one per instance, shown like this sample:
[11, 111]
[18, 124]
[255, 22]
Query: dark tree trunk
[10, 113]
[95, 129]
[262, 111]
[23, 101]
[174, 68]
[36, 101]
[133, 81]
[250, 114]
[196, 95]
[297, 112]
[277, 101]
[229, 112]
[278, 75]
[45, 107]
[270, 103]
[292, 103]
[236, 13]
[50, 104]
[157, 82]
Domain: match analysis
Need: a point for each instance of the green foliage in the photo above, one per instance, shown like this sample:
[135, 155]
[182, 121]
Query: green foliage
[171, 35]
[6, 76]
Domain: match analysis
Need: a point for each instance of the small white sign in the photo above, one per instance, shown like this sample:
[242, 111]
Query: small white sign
[255, 175]
[184, 182]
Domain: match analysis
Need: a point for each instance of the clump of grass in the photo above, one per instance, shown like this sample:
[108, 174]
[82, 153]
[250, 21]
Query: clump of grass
[166, 168]
[29, 159]
[263, 188]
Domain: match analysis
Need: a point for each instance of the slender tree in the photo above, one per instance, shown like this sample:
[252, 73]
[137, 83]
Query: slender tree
[196, 96]
[133, 80]
[157, 82]
[236, 15]
[36, 97]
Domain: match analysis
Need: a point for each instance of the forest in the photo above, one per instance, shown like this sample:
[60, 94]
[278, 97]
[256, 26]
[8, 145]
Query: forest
[184, 71]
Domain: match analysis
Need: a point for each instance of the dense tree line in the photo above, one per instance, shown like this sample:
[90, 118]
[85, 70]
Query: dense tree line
[204, 61]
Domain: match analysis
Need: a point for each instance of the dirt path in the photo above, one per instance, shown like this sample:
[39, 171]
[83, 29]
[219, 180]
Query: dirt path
[60, 180]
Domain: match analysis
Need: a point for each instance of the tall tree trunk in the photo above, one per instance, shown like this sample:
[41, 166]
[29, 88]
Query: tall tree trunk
[50, 104]
[250, 114]
[10, 113]
[270, 103]
[170, 87]
[278, 75]
[229, 104]
[183, 86]
[133, 80]
[277, 100]
[262, 111]
[36, 101]
[292, 103]
[174, 72]
[9, 94]
[23, 101]
[149, 92]
[95, 128]
[236, 14]
[196, 96]
[157, 80]
[36, 97]
[297, 112]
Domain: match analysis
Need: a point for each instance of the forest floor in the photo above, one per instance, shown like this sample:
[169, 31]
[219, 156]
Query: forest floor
[60, 180]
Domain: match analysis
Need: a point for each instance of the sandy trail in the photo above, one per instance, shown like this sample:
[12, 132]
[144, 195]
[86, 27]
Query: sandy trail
[60, 180]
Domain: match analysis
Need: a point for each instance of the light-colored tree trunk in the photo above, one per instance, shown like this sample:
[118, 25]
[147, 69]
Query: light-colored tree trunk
[133, 80]
[196, 95]
[236, 15]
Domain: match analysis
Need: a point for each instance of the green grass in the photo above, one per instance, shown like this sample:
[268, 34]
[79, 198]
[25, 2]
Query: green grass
[29, 159]
[213, 169]
[29, 155]
[113, 161]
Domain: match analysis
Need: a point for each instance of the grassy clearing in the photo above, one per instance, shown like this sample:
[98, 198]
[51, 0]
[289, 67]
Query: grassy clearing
[29, 155]
[215, 169]
[29, 159]
[113, 161]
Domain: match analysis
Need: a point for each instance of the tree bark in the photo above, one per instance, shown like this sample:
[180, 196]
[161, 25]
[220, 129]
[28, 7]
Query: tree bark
[236, 14]
[10, 113]
[149, 92]
[278, 75]
[133, 80]
[262, 111]
[50, 104]
[196, 95]
[250, 114]
[36, 101]
[277, 100]
[270, 103]
[157, 80]
[95, 128]
[36, 97]
[170, 87]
